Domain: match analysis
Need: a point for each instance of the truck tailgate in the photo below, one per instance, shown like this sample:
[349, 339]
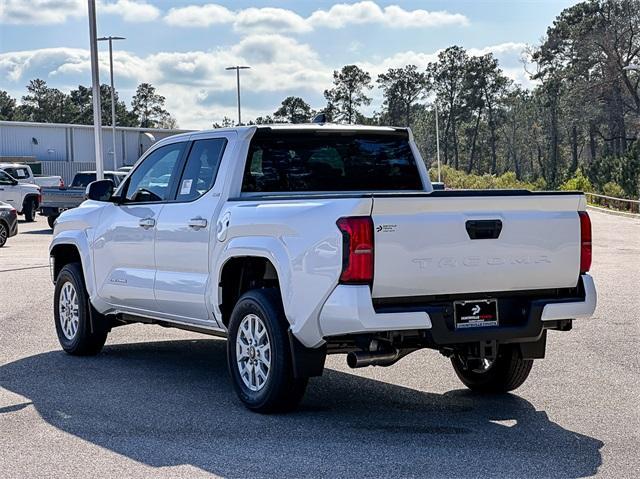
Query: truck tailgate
[59, 198]
[424, 245]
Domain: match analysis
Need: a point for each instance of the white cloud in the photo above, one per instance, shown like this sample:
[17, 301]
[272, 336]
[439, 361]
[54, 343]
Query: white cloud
[343, 14]
[40, 11]
[130, 10]
[286, 21]
[270, 20]
[199, 16]
[197, 88]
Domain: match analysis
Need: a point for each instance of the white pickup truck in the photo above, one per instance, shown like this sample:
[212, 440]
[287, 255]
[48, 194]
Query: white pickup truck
[24, 174]
[24, 197]
[300, 241]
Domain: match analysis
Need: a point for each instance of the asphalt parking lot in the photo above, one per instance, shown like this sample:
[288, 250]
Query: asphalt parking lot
[158, 403]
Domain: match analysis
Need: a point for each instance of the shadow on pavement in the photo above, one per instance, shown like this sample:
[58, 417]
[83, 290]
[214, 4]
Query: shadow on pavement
[46, 231]
[170, 403]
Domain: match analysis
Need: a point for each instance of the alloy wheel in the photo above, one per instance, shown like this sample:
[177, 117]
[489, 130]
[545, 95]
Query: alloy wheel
[253, 352]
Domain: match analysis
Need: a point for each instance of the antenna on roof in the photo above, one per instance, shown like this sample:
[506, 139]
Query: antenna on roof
[320, 118]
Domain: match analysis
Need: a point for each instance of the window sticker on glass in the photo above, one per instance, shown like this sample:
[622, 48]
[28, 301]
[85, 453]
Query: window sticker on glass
[21, 173]
[186, 187]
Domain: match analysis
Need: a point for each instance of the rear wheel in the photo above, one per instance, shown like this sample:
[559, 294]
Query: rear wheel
[71, 314]
[51, 220]
[29, 209]
[259, 354]
[4, 234]
[508, 371]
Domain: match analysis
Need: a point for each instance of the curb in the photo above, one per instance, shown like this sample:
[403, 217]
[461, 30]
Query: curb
[614, 212]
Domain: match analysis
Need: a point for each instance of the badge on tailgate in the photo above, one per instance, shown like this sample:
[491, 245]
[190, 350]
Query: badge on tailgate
[476, 314]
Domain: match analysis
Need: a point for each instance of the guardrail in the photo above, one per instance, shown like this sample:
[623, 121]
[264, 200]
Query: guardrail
[620, 204]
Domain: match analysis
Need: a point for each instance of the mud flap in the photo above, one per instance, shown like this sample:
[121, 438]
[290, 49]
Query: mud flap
[534, 349]
[307, 362]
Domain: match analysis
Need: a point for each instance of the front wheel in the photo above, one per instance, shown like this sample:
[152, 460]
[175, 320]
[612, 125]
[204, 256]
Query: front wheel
[259, 354]
[508, 371]
[4, 234]
[29, 210]
[71, 314]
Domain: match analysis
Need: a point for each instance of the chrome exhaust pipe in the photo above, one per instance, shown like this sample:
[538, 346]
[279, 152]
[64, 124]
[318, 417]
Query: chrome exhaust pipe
[361, 359]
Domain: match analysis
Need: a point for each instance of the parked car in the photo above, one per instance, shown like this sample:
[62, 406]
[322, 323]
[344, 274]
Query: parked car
[300, 241]
[8, 222]
[24, 174]
[24, 197]
[57, 200]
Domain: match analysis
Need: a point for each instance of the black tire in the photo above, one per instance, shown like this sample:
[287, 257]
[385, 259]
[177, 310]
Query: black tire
[29, 209]
[4, 234]
[281, 391]
[508, 372]
[83, 342]
[51, 220]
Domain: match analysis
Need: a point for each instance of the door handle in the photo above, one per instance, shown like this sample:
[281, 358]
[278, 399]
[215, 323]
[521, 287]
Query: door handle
[197, 223]
[147, 223]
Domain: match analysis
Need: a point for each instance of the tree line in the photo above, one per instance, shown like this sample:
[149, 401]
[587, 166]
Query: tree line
[50, 105]
[577, 125]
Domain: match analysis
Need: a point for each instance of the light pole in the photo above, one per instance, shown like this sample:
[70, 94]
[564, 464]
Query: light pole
[435, 105]
[113, 93]
[634, 68]
[237, 68]
[95, 82]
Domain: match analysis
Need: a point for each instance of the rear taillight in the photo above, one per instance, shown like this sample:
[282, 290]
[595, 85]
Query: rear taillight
[61, 185]
[357, 249]
[585, 242]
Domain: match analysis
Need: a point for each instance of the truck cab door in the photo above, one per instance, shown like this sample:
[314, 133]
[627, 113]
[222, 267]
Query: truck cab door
[186, 232]
[10, 191]
[124, 243]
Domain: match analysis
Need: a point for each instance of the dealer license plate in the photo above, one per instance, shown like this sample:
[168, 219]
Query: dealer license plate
[476, 314]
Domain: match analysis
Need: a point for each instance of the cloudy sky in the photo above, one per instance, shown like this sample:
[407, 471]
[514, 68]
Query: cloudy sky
[182, 47]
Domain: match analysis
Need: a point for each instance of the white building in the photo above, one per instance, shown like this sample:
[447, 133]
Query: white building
[64, 149]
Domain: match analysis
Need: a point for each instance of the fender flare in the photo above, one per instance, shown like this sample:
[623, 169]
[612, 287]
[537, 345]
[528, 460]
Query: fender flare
[78, 240]
[261, 247]
[28, 197]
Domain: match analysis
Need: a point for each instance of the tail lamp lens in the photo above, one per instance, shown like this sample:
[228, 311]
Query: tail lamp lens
[585, 242]
[357, 249]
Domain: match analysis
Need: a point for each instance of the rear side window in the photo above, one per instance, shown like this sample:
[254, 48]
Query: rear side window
[329, 161]
[81, 180]
[201, 168]
[17, 173]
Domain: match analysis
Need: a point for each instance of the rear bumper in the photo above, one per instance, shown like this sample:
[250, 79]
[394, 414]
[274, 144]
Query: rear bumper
[349, 310]
[49, 211]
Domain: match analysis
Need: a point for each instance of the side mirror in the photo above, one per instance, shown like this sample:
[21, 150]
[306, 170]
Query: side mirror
[101, 190]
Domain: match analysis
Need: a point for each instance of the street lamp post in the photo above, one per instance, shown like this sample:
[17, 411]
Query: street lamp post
[637, 69]
[435, 104]
[95, 82]
[237, 68]
[113, 93]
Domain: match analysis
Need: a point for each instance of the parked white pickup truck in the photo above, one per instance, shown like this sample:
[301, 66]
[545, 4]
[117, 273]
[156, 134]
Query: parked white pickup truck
[24, 174]
[300, 241]
[24, 197]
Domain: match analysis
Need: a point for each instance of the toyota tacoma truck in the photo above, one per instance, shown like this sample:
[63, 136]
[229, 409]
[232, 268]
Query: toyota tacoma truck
[295, 242]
